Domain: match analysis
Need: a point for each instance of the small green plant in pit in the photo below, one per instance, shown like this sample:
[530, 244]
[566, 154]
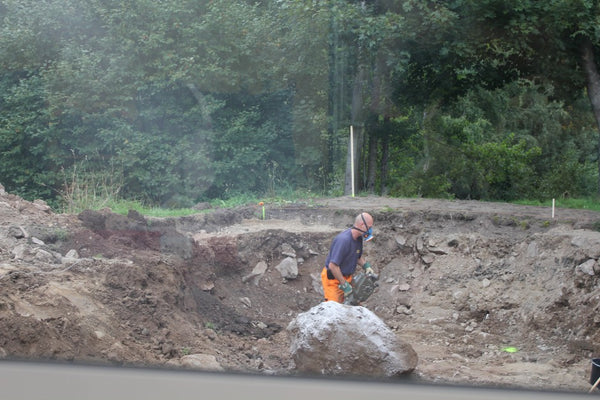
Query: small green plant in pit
[209, 325]
[185, 351]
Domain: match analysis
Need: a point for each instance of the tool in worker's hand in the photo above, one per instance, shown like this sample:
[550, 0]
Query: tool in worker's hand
[363, 286]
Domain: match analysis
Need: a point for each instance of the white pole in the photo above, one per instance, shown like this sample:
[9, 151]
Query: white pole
[352, 158]
[552, 208]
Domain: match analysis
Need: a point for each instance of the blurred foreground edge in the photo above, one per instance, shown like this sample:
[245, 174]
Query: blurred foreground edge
[28, 380]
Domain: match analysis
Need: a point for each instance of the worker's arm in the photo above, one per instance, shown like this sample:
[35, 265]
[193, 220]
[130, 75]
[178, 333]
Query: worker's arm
[337, 272]
[366, 265]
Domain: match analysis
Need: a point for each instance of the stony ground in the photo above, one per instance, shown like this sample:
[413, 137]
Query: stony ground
[461, 281]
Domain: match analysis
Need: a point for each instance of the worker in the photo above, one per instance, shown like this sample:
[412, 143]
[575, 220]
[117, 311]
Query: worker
[345, 253]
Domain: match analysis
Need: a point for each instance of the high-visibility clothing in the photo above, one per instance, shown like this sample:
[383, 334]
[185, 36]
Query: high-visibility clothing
[331, 291]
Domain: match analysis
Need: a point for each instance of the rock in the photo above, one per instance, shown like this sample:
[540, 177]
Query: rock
[72, 254]
[116, 352]
[428, 259]
[210, 333]
[419, 246]
[587, 267]
[287, 250]
[401, 241]
[20, 251]
[168, 349]
[246, 301]
[44, 256]
[460, 296]
[4, 269]
[486, 282]
[288, 268]
[402, 309]
[437, 250]
[37, 241]
[17, 232]
[532, 250]
[317, 285]
[206, 285]
[260, 325]
[204, 362]
[71, 257]
[336, 339]
[587, 240]
[258, 271]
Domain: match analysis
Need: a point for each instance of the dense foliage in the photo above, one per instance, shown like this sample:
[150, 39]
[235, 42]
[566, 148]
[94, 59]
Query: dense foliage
[179, 101]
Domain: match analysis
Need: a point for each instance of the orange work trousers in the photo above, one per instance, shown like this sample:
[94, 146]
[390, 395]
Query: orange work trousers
[331, 291]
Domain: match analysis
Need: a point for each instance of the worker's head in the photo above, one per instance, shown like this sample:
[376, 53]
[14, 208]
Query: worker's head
[364, 224]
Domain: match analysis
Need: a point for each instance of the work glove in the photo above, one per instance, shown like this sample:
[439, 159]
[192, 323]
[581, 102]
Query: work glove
[368, 270]
[346, 288]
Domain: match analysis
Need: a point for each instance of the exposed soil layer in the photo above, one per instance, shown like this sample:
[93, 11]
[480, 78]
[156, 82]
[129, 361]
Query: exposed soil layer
[487, 294]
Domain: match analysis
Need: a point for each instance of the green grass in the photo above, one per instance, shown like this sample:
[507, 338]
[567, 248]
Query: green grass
[122, 206]
[279, 199]
[582, 203]
[96, 200]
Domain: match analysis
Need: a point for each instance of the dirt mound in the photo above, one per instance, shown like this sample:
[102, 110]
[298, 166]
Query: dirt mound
[459, 281]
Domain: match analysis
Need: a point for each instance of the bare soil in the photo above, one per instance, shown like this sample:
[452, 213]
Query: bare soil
[462, 281]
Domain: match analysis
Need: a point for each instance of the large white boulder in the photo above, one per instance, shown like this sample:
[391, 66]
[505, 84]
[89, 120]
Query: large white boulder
[337, 339]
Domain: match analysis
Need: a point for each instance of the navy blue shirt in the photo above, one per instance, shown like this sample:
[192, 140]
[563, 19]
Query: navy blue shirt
[345, 252]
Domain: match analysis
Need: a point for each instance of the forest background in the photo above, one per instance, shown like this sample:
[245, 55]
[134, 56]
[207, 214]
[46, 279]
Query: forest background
[174, 102]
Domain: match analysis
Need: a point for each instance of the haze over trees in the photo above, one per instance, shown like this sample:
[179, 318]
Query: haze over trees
[179, 101]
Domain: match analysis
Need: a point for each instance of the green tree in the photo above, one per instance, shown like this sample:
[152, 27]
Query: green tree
[136, 85]
[454, 46]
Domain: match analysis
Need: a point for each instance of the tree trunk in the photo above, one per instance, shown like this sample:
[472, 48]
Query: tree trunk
[349, 173]
[372, 163]
[355, 120]
[385, 156]
[593, 89]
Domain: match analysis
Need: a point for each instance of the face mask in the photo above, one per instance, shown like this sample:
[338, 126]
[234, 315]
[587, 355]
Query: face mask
[368, 234]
